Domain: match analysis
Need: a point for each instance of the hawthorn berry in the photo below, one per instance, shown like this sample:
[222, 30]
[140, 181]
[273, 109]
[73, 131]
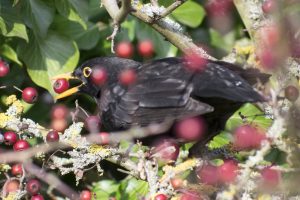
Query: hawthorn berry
[52, 136]
[190, 195]
[190, 129]
[271, 177]
[17, 170]
[59, 112]
[208, 174]
[4, 68]
[247, 137]
[99, 75]
[37, 197]
[145, 48]
[168, 150]
[160, 197]
[61, 85]
[176, 183]
[269, 6]
[92, 123]
[33, 186]
[228, 171]
[127, 77]
[194, 62]
[104, 137]
[12, 186]
[29, 95]
[21, 145]
[291, 93]
[10, 138]
[85, 195]
[124, 49]
[59, 124]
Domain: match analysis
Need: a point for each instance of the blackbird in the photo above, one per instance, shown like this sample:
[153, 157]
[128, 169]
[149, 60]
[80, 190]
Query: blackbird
[165, 89]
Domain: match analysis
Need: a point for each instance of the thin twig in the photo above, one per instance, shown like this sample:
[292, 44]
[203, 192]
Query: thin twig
[170, 9]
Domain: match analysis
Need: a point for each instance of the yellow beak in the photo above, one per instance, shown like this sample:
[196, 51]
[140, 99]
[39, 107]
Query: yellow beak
[70, 91]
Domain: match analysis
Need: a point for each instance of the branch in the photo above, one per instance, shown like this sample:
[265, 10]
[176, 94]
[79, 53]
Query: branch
[51, 180]
[170, 9]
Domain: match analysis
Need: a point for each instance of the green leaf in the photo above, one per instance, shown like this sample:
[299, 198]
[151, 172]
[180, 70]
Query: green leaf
[85, 38]
[38, 15]
[220, 140]
[49, 57]
[224, 42]
[105, 189]
[161, 46]
[10, 21]
[65, 9]
[133, 189]
[253, 115]
[8, 52]
[81, 7]
[190, 13]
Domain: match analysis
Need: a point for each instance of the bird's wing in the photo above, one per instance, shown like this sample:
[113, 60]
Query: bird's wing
[157, 94]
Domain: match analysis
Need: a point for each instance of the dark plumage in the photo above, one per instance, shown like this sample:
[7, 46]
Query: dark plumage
[166, 89]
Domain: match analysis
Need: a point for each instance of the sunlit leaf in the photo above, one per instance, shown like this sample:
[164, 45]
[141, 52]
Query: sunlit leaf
[9, 52]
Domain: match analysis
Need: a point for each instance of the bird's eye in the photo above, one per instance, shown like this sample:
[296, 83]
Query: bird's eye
[87, 72]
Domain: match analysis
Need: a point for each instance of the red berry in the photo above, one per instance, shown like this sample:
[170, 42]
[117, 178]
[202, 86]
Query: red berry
[271, 177]
[59, 112]
[85, 195]
[104, 137]
[228, 171]
[59, 124]
[21, 145]
[92, 123]
[247, 137]
[167, 150]
[61, 85]
[176, 183]
[12, 186]
[33, 186]
[124, 50]
[17, 170]
[160, 197]
[29, 95]
[208, 174]
[145, 48]
[10, 138]
[269, 6]
[291, 93]
[37, 197]
[99, 75]
[4, 68]
[127, 77]
[52, 136]
[218, 8]
[194, 62]
[190, 195]
[190, 129]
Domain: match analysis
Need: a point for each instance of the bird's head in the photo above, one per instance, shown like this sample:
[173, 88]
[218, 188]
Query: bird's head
[83, 74]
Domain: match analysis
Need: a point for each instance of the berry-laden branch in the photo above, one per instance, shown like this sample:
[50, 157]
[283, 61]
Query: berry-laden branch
[154, 16]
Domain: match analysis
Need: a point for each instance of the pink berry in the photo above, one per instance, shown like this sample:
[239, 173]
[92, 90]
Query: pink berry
[30, 95]
[127, 77]
[208, 174]
[85, 195]
[124, 50]
[52, 136]
[37, 197]
[99, 75]
[59, 124]
[190, 129]
[33, 186]
[12, 186]
[17, 170]
[160, 197]
[247, 137]
[167, 150]
[228, 171]
[4, 68]
[10, 138]
[21, 145]
[61, 85]
[190, 195]
[269, 6]
[104, 137]
[59, 112]
[145, 48]
[194, 62]
[271, 177]
[92, 123]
